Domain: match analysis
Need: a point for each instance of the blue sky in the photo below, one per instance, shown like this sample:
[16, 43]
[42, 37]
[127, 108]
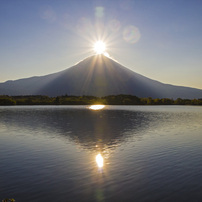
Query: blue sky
[159, 39]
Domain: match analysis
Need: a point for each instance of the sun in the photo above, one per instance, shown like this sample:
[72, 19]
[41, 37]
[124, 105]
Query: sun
[99, 47]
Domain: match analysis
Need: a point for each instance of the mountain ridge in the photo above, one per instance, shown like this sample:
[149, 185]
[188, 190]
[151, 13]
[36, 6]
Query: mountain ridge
[99, 76]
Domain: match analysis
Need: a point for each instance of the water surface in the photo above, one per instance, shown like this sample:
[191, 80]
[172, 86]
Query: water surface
[150, 153]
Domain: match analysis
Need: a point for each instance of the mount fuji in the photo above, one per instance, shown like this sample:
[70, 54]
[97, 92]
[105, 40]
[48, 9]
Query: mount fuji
[99, 76]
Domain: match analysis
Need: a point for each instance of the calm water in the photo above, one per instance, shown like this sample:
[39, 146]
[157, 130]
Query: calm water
[151, 153]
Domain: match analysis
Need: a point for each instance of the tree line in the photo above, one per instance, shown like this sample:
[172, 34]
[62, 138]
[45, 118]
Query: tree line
[90, 100]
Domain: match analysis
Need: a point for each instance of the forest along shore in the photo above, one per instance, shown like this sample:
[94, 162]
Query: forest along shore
[91, 100]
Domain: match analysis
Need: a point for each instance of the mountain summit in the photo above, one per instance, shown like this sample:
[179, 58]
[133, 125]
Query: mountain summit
[97, 76]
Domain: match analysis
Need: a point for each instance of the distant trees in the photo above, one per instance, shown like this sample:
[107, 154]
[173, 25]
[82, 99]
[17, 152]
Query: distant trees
[8, 200]
[121, 100]
[90, 100]
[5, 100]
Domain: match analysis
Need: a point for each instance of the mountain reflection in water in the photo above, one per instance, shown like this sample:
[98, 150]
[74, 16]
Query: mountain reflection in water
[96, 130]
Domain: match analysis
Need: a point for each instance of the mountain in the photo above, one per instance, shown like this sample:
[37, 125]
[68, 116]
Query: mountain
[98, 76]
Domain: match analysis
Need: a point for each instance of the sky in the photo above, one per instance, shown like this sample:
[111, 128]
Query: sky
[159, 39]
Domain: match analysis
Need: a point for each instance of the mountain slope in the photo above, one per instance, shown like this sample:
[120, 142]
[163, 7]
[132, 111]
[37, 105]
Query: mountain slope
[98, 76]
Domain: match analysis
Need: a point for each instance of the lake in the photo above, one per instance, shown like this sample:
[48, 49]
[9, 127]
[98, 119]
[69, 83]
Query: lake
[118, 153]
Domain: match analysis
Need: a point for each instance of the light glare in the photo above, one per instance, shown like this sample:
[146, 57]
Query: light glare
[96, 107]
[99, 160]
[99, 47]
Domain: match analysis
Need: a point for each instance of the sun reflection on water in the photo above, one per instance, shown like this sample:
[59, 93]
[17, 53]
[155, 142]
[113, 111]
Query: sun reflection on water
[99, 160]
[96, 107]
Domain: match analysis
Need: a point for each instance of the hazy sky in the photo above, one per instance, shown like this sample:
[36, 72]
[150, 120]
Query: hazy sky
[160, 39]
